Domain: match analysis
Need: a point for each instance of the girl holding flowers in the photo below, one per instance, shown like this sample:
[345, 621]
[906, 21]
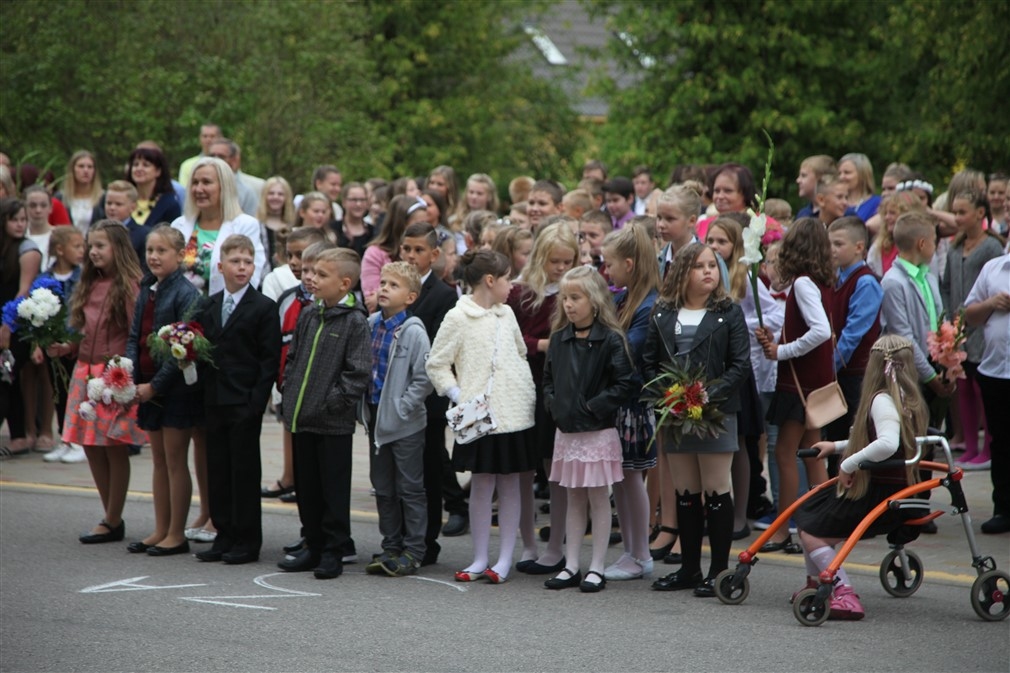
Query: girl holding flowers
[695, 325]
[168, 409]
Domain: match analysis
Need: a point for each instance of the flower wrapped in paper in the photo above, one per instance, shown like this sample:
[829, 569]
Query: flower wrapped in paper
[686, 403]
[184, 343]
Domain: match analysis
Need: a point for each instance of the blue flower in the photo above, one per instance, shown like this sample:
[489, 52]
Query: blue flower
[10, 313]
[48, 283]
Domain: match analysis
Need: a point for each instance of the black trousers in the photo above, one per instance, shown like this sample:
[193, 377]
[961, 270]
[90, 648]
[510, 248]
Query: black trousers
[439, 478]
[234, 473]
[995, 393]
[323, 484]
[839, 429]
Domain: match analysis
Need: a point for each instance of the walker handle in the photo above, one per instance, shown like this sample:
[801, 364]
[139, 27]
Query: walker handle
[807, 453]
[898, 462]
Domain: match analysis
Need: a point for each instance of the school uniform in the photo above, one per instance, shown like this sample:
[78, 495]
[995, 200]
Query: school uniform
[236, 390]
[905, 312]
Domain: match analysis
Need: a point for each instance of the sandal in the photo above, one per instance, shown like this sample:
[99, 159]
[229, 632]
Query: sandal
[115, 534]
[588, 587]
[276, 492]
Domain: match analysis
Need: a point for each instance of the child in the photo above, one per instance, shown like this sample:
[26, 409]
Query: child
[971, 249]
[533, 302]
[811, 171]
[996, 192]
[517, 246]
[242, 325]
[168, 409]
[315, 210]
[883, 251]
[396, 419]
[479, 344]
[326, 374]
[276, 213]
[593, 228]
[420, 249]
[593, 187]
[519, 217]
[641, 177]
[120, 202]
[584, 387]
[102, 309]
[479, 229]
[576, 203]
[403, 212]
[481, 194]
[39, 205]
[695, 321]
[804, 259]
[676, 215]
[830, 197]
[619, 195]
[287, 277]
[631, 265]
[66, 252]
[444, 181]
[519, 189]
[544, 201]
[779, 210]
[891, 414]
[856, 172]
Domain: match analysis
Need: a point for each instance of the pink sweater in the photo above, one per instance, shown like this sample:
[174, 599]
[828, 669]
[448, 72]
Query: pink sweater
[101, 339]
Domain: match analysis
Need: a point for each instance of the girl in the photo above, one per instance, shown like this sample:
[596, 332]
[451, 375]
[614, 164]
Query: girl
[697, 323]
[879, 431]
[517, 245]
[66, 250]
[631, 265]
[883, 251]
[315, 211]
[856, 171]
[479, 339]
[443, 180]
[82, 190]
[385, 247]
[39, 206]
[437, 215]
[276, 213]
[971, 249]
[479, 229]
[481, 194]
[533, 301]
[169, 409]
[996, 193]
[102, 309]
[148, 171]
[20, 261]
[353, 232]
[35, 385]
[584, 387]
[805, 260]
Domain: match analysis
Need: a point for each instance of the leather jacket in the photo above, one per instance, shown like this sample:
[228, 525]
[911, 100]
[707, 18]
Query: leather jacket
[721, 344]
[587, 380]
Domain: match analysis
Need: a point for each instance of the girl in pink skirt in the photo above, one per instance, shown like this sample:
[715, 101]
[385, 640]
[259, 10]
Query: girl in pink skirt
[588, 375]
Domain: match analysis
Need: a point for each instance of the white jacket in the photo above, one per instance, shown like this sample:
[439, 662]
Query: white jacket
[243, 224]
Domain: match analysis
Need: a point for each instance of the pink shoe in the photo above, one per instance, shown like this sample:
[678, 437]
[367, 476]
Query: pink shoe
[979, 462]
[845, 605]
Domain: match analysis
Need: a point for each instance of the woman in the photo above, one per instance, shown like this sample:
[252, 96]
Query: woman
[733, 191]
[148, 171]
[856, 171]
[82, 191]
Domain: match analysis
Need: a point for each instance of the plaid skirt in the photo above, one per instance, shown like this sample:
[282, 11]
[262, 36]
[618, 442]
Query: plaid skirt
[112, 427]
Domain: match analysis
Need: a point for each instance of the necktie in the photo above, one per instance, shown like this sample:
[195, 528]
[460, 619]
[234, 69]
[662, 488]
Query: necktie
[226, 310]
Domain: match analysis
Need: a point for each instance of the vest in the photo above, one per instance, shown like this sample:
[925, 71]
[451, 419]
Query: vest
[815, 369]
[839, 314]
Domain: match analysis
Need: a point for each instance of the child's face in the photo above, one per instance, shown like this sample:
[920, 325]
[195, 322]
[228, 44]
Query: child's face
[521, 255]
[844, 251]
[237, 269]
[540, 206]
[331, 185]
[356, 203]
[17, 225]
[500, 288]
[39, 207]
[997, 195]
[144, 172]
[618, 268]
[477, 196]
[487, 238]
[887, 185]
[316, 214]
[571, 210]
[617, 205]
[412, 189]
[519, 219]
[643, 185]
[726, 194]
[965, 215]
[394, 295]
[434, 214]
[593, 233]
[449, 256]
[275, 199]
[672, 225]
[100, 251]
[72, 252]
[295, 250]
[84, 171]
[576, 304]
[832, 202]
[415, 250]
[118, 207]
[807, 183]
[770, 267]
[309, 275]
[437, 183]
[704, 275]
[585, 254]
[330, 285]
[162, 258]
[559, 261]
[375, 207]
[890, 217]
[718, 240]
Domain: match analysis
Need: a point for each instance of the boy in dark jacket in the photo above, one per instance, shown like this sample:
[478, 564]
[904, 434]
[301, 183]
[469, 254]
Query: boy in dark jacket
[327, 371]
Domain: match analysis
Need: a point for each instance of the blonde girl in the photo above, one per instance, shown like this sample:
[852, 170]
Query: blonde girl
[883, 252]
[443, 180]
[481, 194]
[517, 245]
[82, 190]
[856, 171]
[631, 265]
[276, 212]
[315, 210]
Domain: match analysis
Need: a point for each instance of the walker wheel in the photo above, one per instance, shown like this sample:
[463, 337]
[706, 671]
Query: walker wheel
[726, 592]
[808, 610]
[989, 595]
[897, 581]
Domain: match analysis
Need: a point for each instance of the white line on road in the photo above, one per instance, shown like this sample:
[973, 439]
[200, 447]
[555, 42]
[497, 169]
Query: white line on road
[448, 584]
[131, 585]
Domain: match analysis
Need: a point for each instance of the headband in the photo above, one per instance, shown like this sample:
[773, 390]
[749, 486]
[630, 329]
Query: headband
[914, 184]
[417, 205]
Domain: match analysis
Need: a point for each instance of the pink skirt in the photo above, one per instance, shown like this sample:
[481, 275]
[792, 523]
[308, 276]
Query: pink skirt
[111, 428]
[585, 459]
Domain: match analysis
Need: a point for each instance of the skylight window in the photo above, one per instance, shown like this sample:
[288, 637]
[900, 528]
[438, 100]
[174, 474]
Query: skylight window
[546, 46]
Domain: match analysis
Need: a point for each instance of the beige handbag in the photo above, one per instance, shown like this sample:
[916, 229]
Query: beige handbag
[824, 405]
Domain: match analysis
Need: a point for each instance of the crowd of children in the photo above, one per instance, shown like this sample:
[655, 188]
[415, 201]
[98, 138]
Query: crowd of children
[408, 298]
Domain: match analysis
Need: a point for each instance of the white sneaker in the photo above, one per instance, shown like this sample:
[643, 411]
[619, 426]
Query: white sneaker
[75, 454]
[56, 454]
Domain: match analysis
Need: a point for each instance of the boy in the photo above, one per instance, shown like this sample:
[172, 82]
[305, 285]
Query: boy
[576, 203]
[284, 278]
[396, 418]
[242, 325]
[811, 171]
[325, 375]
[855, 316]
[830, 197]
[594, 188]
[593, 228]
[595, 169]
[544, 201]
[120, 202]
[420, 249]
[619, 195]
[641, 177]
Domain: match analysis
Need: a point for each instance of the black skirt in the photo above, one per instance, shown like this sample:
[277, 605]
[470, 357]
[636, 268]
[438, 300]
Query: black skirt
[750, 422]
[828, 515]
[506, 453]
[541, 435]
[786, 406]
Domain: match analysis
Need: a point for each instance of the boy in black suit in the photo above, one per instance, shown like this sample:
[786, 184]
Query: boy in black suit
[419, 247]
[242, 325]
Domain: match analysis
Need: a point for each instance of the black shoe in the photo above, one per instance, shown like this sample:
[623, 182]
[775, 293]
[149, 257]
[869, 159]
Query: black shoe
[673, 559]
[114, 535]
[235, 558]
[545, 533]
[299, 562]
[574, 579]
[929, 528]
[169, 551]
[330, 567]
[678, 581]
[294, 546]
[279, 490]
[706, 589]
[289, 498]
[138, 547]
[742, 533]
[787, 545]
[588, 587]
[458, 524]
[209, 556]
[1000, 523]
[537, 568]
[615, 538]
[759, 507]
[661, 552]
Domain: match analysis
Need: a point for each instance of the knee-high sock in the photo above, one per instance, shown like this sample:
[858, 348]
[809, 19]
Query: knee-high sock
[599, 504]
[527, 515]
[822, 558]
[481, 493]
[559, 507]
[719, 510]
[741, 488]
[575, 520]
[508, 520]
[690, 521]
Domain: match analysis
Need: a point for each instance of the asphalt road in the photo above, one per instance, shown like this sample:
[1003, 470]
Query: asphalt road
[69, 607]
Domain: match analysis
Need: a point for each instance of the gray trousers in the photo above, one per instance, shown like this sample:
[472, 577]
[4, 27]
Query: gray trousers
[397, 474]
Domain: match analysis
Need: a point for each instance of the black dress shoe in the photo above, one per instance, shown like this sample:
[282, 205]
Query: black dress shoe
[545, 533]
[114, 534]
[277, 492]
[537, 568]
[330, 567]
[787, 545]
[587, 587]
[673, 559]
[929, 528]
[706, 589]
[209, 556]
[457, 525]
[300, 562]
[661, 552]
[169, 551]
[294, 546]
[1000, 523]
[742, 533]
[574, 579]
[678, 581]
[289, 497]
[138, 547]
[235, 558]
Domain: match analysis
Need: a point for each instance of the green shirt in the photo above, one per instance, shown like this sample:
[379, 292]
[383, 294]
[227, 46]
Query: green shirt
[919, 274]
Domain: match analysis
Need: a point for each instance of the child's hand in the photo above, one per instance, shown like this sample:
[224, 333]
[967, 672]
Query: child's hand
[5, 337]
[771, 350]
[37, 356]
[763, 335]
[824, 449]
[58, 350]
[372, 302]
[845, 479]
[145, 392]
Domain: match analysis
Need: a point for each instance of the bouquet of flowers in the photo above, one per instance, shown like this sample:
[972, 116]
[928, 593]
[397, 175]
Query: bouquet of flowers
[946, 347]
[685, 402]
[183, 342]
[40, 318]
[759, 234]
[114, 390]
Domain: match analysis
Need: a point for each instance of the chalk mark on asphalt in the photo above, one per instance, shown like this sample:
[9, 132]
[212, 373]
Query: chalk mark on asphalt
[131, 585]
[448, 584]
[227, 601]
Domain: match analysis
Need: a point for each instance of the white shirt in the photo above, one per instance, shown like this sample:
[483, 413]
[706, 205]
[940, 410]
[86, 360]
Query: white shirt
[808, 296]
[887, 424]
[237, 297]
[993, 279]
